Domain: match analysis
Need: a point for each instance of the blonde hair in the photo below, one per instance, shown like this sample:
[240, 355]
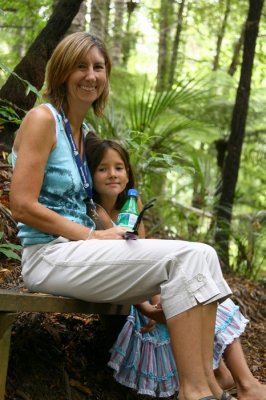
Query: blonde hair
[67, 54]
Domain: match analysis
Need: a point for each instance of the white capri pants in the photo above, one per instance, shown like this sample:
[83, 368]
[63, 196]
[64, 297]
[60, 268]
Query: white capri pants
[127, 271]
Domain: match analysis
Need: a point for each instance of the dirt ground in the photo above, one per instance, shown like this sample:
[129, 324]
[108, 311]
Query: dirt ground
[64, 357]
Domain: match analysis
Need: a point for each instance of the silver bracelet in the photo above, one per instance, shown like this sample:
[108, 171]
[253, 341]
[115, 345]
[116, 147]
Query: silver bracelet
[89, 235]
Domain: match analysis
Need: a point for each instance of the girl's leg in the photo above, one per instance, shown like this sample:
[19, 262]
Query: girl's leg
[230, 324]
[224, 376]
[248, 387]
[186, 339]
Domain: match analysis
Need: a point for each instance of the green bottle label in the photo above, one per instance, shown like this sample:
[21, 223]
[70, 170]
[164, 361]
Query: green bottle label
[127, 220]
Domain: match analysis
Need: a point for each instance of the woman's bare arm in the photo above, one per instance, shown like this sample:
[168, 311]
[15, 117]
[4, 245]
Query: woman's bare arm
[34, 142]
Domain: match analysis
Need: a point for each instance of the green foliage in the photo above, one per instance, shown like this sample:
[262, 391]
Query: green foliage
[8, 114]
[28, 86]
[9, 250]
[151, 123]
[20, 23]
[248, 244]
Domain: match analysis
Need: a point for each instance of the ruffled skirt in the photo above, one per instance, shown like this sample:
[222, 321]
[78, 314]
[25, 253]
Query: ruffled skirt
[145, 362]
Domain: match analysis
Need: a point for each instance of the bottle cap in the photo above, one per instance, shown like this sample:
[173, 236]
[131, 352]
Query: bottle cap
[132, 192]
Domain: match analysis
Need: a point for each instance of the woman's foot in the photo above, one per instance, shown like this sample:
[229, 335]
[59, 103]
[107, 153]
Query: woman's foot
[252, 391]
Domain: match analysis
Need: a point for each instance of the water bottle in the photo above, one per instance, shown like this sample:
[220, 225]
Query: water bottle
[129, 212]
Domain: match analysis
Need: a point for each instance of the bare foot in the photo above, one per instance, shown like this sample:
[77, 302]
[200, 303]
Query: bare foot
[253, 391]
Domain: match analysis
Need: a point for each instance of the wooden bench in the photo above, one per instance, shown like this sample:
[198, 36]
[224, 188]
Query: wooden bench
[13, 302]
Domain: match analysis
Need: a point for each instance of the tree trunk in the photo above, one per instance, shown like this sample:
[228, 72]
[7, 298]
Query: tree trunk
[237, 49]
[163, 47]
[175, 48]
[106, 20]
[33, 64]
[79, 22]
[118, 31]
[221, 36]
[238, 123]
[98, 15]
[128, 41]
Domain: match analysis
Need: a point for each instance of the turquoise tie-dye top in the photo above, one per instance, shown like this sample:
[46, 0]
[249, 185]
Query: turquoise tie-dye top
[62, 190]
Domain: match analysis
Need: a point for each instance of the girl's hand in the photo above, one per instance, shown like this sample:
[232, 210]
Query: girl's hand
[115, 233]
[152, 311]
[149, 327]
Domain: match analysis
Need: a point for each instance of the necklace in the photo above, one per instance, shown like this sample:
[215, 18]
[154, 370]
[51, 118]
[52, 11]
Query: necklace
[81, 162]
[79, 142]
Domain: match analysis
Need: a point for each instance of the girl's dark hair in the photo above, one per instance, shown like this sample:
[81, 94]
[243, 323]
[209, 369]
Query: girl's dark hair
[95, 149]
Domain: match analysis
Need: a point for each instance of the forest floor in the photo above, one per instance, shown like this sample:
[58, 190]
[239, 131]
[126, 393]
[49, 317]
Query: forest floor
[64, 357]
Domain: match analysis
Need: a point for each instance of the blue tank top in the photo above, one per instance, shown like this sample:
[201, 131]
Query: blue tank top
[62, 190]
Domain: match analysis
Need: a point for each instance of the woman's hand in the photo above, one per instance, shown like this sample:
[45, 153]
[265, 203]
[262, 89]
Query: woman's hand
[115, 233]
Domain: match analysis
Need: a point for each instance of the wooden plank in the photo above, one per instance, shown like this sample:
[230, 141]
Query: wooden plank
[6, 320]
[40, 302]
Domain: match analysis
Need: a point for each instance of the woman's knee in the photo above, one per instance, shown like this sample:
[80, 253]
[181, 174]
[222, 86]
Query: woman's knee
[209, 252]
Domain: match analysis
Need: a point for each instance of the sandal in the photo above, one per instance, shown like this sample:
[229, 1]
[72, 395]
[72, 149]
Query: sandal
[227, 396]
[208, 398]
[232, 390]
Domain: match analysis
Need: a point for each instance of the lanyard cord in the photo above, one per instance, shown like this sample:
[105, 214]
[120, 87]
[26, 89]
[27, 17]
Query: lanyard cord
[82, 166]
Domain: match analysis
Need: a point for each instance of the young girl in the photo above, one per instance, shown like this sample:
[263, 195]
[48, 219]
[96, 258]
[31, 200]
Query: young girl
[141, 356]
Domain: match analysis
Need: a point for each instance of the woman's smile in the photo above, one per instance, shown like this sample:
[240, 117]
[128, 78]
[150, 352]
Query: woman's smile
[88, 88]
[89, 79]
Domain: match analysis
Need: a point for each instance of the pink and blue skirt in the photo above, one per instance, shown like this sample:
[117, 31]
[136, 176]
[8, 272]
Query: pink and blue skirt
[145, 362]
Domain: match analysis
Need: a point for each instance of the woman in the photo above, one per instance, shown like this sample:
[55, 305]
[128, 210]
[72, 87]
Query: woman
[63, 254]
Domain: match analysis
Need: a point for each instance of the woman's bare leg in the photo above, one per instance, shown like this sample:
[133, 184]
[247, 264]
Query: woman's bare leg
[208, 326]
[248, 387]
[186, 340]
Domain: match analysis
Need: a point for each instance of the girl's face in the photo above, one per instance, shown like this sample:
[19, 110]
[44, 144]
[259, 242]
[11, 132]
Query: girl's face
[110, 177]
[87, 82]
